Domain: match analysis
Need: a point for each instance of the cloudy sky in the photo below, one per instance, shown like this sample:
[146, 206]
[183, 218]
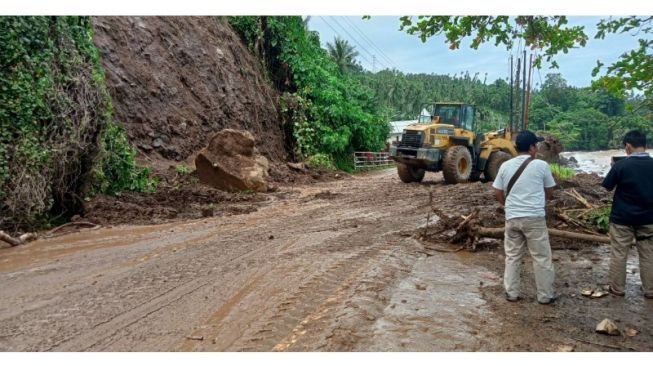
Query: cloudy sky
[382, 45]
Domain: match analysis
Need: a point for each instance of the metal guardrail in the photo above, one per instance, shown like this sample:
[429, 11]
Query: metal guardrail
[370, 159]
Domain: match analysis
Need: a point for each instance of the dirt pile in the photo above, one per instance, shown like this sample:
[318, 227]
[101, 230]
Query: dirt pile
[178, 197]
[549, 150]
[176, 80]
[232, 163]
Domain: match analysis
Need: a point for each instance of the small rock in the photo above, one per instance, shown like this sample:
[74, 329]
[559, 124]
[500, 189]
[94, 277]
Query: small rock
[420, 287]
[271, 237]
[297, 166]
[607, 326]
[157, 142]
[196, 338]
[491, 276]
[630, 332]
[565, 348]
[272, 187]
[403, 301]
[599, 293]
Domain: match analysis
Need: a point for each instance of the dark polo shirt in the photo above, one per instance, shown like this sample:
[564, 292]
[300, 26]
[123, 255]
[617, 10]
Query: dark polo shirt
[633, 199]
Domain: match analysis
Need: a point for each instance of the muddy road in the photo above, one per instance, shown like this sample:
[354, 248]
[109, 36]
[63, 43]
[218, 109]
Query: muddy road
[325, 267]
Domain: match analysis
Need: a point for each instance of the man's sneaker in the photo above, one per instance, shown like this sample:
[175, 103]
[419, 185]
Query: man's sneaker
[548, 301]
[615, 292]
[512, 298]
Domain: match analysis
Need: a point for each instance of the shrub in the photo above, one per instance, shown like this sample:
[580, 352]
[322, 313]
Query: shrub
[562, 172]
[320, 161]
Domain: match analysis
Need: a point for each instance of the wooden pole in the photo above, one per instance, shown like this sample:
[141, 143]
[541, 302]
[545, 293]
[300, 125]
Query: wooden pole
[497, 232]
[528, 92]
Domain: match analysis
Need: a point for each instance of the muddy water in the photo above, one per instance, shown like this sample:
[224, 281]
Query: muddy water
[437, 306]
[594, 161]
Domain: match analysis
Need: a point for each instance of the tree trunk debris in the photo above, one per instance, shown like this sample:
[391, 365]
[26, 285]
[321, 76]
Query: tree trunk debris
[25, 238]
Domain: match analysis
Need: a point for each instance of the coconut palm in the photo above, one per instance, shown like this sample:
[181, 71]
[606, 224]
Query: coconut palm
[343, 54]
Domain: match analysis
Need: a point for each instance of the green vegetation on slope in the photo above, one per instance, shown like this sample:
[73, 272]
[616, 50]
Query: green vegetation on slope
[329, 111]
[55, 122]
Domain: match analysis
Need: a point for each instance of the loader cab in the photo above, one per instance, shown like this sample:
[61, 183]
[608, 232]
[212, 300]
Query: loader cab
[452, 113]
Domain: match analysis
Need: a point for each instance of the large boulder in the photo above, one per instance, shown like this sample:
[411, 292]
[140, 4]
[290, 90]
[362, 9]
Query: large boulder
[232, 163]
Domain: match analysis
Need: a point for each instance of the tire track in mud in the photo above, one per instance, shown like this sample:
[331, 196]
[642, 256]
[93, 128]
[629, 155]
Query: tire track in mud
[311, 301]
[304, 281]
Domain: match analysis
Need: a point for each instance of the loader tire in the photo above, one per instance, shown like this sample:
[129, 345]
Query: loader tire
[494, 163]
[457, 165]
[409, 174]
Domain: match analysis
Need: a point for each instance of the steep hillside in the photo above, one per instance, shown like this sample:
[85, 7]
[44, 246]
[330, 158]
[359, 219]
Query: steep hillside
[175, 81]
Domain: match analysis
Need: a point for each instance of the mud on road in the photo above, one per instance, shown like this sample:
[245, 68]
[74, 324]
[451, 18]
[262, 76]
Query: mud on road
[332, 266]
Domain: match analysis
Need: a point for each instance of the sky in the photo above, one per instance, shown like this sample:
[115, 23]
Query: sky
[381, 45]
[378, 39]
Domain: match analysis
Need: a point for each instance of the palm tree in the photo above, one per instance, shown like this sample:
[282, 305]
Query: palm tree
[343, 54]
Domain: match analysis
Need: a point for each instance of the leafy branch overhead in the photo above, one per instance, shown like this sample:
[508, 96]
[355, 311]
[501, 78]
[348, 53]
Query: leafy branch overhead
[633, 69]
[549, 35]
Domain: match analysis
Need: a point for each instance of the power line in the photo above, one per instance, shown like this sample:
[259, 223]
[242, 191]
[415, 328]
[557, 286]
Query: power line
[336, 32]
[354, 39]
[370, 42]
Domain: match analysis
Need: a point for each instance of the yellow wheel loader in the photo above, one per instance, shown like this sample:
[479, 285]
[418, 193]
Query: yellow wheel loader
[443, 139]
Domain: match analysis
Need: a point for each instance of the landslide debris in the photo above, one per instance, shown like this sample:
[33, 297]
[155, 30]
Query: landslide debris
[232, 163]
[477, 215]
[176, 80]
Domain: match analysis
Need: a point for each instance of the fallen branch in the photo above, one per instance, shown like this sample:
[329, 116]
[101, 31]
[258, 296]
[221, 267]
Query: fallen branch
[444, 250]
[467, 219]
[498, 232]
[602, 344]
[74, 223]
[573, 193]
[17, 241]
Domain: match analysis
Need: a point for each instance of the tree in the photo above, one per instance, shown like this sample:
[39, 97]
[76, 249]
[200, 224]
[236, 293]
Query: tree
[343, 54]
[556, 91]
[550, 34]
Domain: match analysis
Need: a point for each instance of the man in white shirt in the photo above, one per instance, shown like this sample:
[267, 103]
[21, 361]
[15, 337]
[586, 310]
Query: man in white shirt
[524, 197]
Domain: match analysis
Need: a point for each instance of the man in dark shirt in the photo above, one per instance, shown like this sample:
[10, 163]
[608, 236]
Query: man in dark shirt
[631, 218]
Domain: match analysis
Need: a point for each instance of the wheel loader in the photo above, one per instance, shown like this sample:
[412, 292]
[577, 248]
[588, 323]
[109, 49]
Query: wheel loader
[443, 139]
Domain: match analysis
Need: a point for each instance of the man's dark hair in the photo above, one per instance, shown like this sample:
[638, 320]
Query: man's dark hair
[525, 139]
[635, 138]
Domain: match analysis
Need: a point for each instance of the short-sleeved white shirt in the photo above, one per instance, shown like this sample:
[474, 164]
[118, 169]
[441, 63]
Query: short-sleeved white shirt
[526, 198]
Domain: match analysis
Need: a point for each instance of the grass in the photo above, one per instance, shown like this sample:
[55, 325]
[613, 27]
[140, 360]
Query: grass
[561, 172]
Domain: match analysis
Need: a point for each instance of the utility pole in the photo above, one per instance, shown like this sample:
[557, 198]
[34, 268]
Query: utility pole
[517, 120]
[528, 92]
[512, 87]
[523, 96]
[373, 63]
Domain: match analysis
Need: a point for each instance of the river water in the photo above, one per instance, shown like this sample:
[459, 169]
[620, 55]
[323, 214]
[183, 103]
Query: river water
[593, 161]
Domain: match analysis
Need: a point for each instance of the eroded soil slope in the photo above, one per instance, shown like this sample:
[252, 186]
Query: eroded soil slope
[175, 81]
